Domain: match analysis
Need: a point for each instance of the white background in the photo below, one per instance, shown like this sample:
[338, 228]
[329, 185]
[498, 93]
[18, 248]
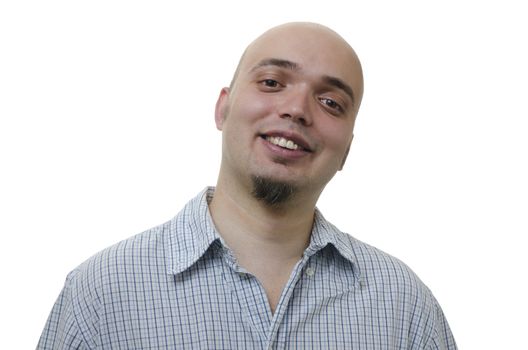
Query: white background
[107, 129]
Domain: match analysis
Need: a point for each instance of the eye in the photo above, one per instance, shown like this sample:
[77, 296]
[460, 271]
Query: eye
[328, 102]
[270, 83]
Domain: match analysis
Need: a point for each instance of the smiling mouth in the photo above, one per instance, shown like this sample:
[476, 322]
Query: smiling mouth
[291, 144]
[283, 142]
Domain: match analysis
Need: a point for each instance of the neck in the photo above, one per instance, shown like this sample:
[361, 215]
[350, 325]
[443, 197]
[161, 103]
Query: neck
[257, 231]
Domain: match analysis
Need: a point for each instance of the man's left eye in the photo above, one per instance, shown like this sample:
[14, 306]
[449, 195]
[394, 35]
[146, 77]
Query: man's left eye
[331, 103]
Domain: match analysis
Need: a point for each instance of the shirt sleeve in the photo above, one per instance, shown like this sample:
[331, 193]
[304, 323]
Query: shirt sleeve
[62, 331]
[442, 338]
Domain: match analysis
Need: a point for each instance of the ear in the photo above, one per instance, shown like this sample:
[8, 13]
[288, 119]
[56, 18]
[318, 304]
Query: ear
[346, 154]
[221, 108]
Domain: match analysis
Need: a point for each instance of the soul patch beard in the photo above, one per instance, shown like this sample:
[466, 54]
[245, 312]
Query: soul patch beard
[272, 193]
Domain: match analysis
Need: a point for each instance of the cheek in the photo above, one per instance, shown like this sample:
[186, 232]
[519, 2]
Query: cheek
[337, 143]
[244, 120]
[338, 136]
[254, 106]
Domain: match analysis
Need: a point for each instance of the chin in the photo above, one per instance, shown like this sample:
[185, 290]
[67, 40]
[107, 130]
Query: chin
[272, 191]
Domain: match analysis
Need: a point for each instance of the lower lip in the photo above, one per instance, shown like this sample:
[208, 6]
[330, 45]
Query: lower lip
[283, 152]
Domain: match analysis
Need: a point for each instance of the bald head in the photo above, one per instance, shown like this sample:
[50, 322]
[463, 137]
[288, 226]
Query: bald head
[289, 114]
[304, 41]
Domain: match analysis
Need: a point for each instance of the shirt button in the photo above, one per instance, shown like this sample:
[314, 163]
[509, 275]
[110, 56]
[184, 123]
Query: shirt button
[310, 271]
[362, 283]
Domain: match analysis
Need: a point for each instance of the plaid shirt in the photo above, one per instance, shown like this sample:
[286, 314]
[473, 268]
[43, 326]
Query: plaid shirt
[178, 286]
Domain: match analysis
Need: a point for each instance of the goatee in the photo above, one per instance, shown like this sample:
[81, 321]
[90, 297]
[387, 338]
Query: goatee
[271, 192]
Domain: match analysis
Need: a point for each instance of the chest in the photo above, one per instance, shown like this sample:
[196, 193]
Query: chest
[212, 306]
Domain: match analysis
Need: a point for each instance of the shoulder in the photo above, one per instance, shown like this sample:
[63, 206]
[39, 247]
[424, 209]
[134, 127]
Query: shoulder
[140, 253]
[370, 265]
[382, 270]
[393, 286]
[101, 280]
[147, 256]
[381, 266]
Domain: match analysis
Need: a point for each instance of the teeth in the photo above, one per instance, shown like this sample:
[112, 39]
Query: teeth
[282, 142]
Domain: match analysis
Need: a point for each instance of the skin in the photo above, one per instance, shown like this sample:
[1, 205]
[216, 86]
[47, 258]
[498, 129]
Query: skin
[303, 82]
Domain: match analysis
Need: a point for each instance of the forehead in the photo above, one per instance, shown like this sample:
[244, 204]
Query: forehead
[317, 52]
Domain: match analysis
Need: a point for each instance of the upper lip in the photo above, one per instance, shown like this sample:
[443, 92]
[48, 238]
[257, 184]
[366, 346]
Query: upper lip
[290, 135]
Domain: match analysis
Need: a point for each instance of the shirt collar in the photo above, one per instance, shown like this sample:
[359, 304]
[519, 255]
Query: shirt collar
[324, 234]
[192, 232]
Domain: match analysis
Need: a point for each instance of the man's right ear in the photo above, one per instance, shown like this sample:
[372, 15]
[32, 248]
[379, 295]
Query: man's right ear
[222, 106]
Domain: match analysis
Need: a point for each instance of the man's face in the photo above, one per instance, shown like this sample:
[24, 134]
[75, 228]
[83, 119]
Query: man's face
[290, 114]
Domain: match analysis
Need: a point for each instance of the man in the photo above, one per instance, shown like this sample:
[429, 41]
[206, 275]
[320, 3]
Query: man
[251, 264]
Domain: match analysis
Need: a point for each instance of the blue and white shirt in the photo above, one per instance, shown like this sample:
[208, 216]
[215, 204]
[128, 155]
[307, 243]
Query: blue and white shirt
[178, 286]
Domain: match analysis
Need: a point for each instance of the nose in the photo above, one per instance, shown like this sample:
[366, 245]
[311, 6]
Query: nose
[295, 106]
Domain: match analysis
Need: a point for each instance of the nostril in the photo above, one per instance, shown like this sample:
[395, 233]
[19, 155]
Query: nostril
[299, 118]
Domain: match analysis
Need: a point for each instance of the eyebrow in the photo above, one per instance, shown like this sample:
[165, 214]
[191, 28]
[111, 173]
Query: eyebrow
[329, 80]
[340, 84]
[278, 62]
